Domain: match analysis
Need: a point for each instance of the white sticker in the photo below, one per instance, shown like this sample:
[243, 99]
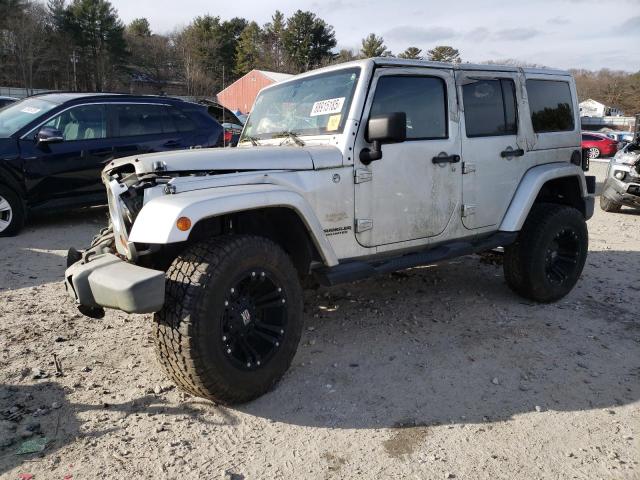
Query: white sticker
[327, 107]
[30, 110]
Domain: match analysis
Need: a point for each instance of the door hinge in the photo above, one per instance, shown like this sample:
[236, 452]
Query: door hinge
[468, 167]
[468, 210]
[363, 224]
[362, 175]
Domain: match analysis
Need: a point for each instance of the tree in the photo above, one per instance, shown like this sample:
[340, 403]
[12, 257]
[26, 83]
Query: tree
[411, 53]
[29, 41]
[373, 46]
[98, 34]
[139, 27]
[444, 53]
[308, 41]
[344, 55]
[273, 39]
[249, 54]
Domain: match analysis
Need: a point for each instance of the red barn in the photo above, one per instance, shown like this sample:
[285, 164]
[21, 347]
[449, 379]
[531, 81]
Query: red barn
[241, 94]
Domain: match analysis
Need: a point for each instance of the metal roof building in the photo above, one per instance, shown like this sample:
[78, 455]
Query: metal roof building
[241, 94]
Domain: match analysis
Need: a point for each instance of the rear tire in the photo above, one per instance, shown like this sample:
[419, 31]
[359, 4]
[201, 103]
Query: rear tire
[609, 205]
[12, 213]
[594, 153]
[232, 318]
[549, 254]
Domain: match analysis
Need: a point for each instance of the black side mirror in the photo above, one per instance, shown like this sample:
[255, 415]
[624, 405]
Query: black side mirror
[49, 135]
[386, 128]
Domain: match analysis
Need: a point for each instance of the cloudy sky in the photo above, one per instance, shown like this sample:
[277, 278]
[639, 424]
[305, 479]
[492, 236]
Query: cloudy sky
[588, 34]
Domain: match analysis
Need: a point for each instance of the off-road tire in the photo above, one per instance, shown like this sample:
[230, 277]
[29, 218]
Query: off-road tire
[17, 213]
[526, 262]
[609, 205]
[188, 330]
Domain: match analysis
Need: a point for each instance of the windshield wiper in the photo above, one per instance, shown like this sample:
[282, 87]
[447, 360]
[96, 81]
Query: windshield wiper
[292, 135]
[253, 140]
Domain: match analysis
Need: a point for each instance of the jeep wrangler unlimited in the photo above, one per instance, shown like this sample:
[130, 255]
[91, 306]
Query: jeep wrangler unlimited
[341, 173]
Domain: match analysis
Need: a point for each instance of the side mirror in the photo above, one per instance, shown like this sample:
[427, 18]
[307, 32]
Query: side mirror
[387, 128]
[49, 135]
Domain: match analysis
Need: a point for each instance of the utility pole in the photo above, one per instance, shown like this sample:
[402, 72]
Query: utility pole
[74, 59]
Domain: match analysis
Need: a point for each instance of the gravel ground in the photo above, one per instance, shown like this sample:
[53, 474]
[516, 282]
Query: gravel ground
[436, 372]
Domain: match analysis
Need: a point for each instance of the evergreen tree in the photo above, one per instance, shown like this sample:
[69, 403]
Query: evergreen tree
[444, 53]
[373, 46]
[249, 53]
[308, 41]
[273, 38]
[411, 53]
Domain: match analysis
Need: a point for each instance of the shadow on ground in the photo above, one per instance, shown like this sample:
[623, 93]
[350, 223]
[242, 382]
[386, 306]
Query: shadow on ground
[21, 406]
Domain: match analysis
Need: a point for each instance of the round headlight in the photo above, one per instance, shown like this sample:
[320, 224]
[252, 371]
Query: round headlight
[619, 174]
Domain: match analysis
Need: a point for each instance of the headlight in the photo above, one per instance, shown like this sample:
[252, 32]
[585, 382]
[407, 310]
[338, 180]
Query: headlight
[619, 174]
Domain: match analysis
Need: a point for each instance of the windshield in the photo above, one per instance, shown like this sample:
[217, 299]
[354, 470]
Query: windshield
[314, 105]
[15, 116]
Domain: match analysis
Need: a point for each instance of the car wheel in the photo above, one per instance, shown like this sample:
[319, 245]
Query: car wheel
[548, 256]
[609, 205]
[593, 152]
[11, 212]
[232, 318]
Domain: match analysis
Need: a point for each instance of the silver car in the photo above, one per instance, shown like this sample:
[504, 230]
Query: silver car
[622, 186]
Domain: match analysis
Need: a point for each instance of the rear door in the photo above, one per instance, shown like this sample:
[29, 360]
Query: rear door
[494, 148]
[140, 128]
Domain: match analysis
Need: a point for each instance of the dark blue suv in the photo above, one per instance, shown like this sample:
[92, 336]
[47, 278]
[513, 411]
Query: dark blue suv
[53, 146]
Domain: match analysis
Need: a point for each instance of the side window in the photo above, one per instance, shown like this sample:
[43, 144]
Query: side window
[490, 108]
[182, 122]
[141, 119]
[423, 99]
[85, 122]
[551, 106]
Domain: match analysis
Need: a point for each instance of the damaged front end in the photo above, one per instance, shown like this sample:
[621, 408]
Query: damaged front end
[622, 185]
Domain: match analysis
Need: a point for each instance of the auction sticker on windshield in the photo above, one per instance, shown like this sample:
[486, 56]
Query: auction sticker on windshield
[327, 107]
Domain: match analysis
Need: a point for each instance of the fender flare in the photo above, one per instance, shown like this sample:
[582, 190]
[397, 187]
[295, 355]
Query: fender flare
[156, 222]
[529, 187]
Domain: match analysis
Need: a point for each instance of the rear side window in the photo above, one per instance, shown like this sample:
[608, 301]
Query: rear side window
[490, 108]
[182, 122]
[140, 119]
[551, 106]
[423, 99]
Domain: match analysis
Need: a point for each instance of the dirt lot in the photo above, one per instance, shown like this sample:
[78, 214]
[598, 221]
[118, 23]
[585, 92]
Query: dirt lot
[439, 372]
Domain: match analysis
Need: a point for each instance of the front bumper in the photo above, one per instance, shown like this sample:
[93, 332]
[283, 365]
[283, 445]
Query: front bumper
[626, 191]
[109, 282]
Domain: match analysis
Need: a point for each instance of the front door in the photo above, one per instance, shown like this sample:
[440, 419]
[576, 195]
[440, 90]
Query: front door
[70, 168]
[413, 191]
[493, 145]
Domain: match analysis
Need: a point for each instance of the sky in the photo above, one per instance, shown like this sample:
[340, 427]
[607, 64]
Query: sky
[589, 34]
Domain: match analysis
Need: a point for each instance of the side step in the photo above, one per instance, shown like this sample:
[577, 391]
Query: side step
[358, 270]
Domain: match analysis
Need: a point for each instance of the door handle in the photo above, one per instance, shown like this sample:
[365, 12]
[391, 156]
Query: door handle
[172, 143]
[444, 158]
[512, 153]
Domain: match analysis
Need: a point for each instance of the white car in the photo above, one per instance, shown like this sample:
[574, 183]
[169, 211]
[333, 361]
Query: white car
[341, 173]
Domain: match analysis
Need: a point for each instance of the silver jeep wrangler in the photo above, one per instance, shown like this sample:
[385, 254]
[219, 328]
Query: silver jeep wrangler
[341, 173]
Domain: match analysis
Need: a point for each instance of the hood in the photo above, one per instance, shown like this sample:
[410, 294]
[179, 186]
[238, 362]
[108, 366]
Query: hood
[235, 159]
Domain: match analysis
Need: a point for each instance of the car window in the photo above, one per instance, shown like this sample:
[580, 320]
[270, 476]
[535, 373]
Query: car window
[84, 122]
[551, 106]
[423, 99]
[490, 108]
[181, 121]
[141, 119]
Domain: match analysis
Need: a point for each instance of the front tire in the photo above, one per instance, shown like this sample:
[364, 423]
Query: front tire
[12, 214]
[232, 318]
[609, 205]
[549, 254]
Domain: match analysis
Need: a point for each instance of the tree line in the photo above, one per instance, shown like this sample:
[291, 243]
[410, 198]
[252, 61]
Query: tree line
[83, 45]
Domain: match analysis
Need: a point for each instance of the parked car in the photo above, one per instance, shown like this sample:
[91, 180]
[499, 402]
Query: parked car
[53, 146]
[622, 185]
[4, 101]
[354, 170]
[230, 121]
[599, 145]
